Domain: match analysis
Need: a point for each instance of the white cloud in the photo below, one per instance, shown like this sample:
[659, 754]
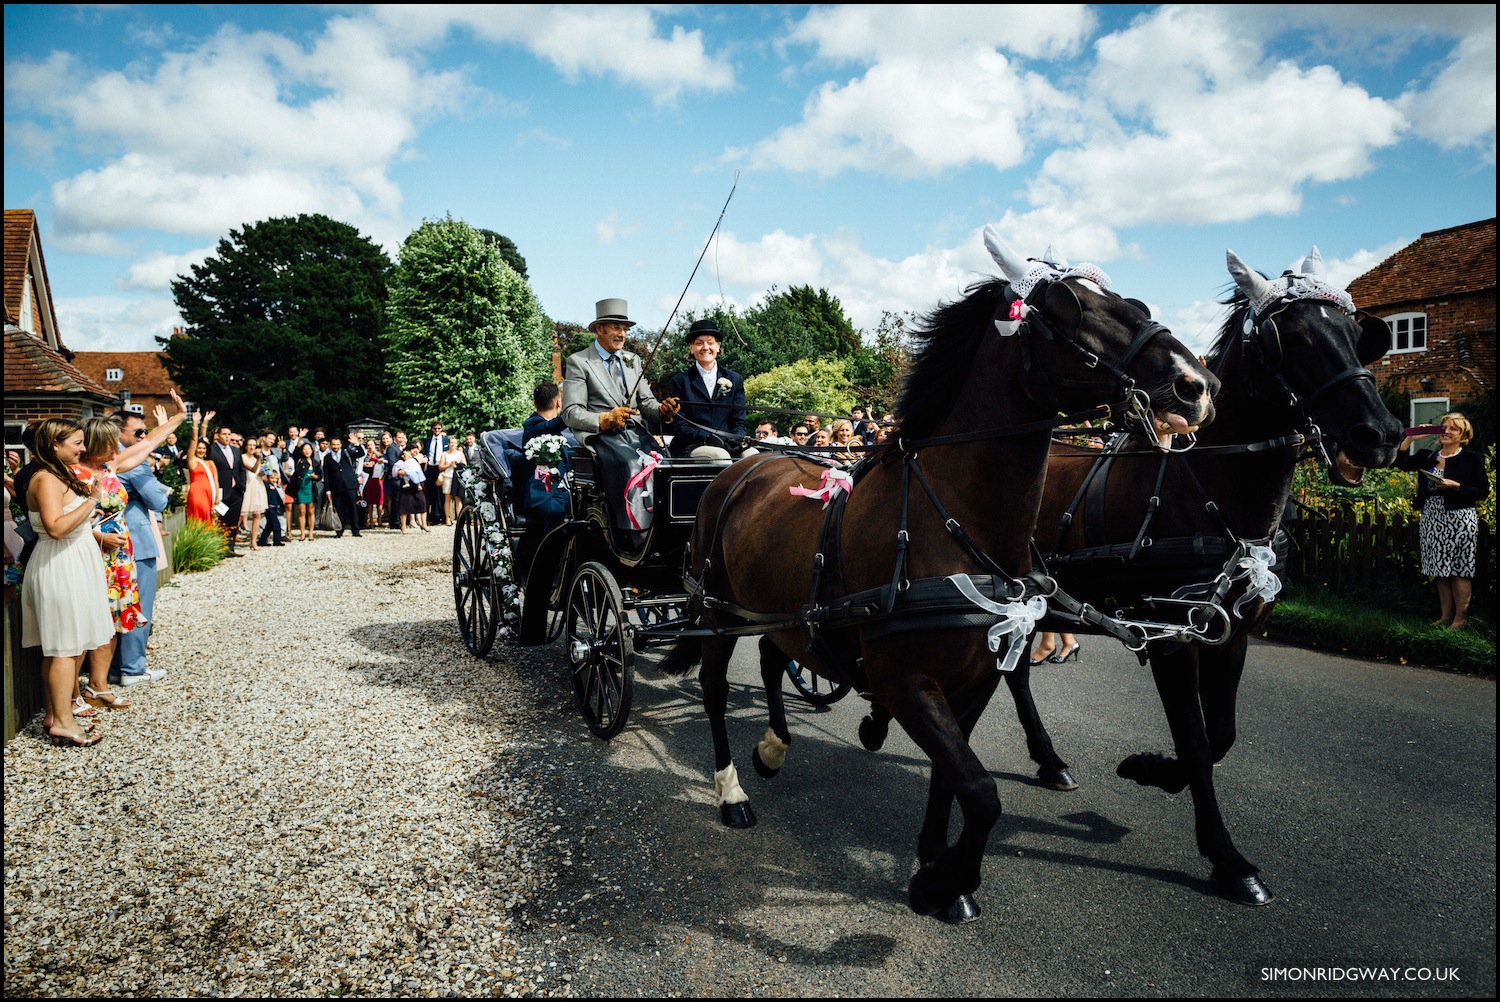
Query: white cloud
[115, 323]
[934, 32]
[610, 41]
[608, 229]
[1195, 324]
[1458, 108]
[211, 137]
[940, 92]
[157, 270]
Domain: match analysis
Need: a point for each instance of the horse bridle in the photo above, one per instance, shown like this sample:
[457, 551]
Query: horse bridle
[1134, 404]
[1260, 344]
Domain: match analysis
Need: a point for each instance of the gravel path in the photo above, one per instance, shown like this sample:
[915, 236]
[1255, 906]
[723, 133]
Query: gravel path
[320, 799]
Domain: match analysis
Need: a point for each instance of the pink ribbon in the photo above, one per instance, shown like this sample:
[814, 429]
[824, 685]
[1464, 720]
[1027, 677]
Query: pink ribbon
[1018, 310]
[543, 474]
[833, 481]
[636, 481]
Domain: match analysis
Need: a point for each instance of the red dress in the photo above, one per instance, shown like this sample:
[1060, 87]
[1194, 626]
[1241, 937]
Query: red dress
[201, 487]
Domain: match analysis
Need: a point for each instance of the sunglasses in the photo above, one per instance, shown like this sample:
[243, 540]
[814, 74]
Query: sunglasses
[140, 433]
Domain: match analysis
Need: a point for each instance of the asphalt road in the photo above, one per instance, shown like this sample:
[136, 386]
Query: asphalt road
[1365, 792]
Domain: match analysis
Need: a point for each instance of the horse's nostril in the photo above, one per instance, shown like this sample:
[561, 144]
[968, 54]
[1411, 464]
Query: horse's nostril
[1187, 389]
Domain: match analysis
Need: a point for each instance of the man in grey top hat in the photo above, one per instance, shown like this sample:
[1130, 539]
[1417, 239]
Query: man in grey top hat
[602, 388]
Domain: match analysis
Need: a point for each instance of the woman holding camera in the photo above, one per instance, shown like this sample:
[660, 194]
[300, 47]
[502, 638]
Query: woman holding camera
[1451, 480]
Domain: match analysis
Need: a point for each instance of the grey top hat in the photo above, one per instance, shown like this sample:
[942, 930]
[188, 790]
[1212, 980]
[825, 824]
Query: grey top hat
[613, 310]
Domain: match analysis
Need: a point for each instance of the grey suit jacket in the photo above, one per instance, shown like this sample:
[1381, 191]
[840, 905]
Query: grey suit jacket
[588, 390]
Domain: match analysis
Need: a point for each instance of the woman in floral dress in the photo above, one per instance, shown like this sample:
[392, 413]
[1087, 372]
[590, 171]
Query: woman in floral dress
[101, 438]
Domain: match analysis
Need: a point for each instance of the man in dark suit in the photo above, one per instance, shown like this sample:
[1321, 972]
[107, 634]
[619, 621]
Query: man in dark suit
[341, 478]
[432, 451]
[392, 482]
[712, 397]
[229, 464]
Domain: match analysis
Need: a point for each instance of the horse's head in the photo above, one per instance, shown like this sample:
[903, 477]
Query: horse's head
[1088, 345]
[1306, 347]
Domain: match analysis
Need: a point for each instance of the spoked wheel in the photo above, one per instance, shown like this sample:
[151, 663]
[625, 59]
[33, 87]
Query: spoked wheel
[816, 689]
[601, 658]
[473, 585]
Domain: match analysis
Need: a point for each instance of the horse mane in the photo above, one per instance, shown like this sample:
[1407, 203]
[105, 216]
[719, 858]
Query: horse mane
[1229, 332]
[943, 348]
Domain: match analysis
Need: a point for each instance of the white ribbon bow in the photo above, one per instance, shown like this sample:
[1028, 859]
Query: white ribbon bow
[1017, 620]
[1260, 581]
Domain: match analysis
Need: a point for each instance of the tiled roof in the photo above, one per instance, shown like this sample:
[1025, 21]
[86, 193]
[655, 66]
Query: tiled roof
[20, 231]
[32, 367]
[1440, 264]
[144, 373]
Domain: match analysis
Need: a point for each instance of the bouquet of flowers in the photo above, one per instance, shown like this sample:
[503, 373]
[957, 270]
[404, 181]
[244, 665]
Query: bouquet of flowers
[547, 452]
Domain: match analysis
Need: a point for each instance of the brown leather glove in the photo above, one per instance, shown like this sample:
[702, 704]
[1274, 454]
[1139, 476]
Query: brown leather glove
[614, 420]
[669, 408]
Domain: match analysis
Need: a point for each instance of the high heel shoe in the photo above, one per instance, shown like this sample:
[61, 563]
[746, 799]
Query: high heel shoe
[106, 697]
[1064, 658]
[81, 740]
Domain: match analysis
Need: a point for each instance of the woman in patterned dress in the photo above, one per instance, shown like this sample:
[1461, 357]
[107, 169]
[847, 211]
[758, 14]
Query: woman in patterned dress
[101, 438]
[1451, 480]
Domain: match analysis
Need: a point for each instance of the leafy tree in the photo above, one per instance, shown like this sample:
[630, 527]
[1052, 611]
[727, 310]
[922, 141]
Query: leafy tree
[282, 324]
[466, 339]
[509, 252]
[807, 385]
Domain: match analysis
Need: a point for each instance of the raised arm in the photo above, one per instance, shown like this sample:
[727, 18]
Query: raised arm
[136, 454]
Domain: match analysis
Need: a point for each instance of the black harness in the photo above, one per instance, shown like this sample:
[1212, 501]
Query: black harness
[905, 604]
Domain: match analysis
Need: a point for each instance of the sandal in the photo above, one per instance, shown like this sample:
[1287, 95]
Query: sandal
[107, 697]
[83, 739]
[82, 709]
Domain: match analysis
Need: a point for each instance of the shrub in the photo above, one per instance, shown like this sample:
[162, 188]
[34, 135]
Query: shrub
[197, 546]
[820, 387]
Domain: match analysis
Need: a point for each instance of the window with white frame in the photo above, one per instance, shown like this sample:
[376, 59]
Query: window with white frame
[1408, 332]
[113, 375]
[135, 408]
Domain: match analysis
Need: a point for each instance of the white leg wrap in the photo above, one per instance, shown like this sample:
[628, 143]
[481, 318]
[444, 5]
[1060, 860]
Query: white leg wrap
[727, 786]
[772, 750]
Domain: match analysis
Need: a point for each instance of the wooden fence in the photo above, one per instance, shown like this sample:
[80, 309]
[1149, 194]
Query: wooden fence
[1348, 551]
[23, 665]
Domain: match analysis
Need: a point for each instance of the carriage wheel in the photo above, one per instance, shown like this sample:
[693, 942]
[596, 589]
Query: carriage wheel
[601, 658]
[816, 689]
[473, 585]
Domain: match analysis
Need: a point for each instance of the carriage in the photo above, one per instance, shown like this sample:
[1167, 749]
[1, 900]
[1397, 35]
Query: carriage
[609, 593]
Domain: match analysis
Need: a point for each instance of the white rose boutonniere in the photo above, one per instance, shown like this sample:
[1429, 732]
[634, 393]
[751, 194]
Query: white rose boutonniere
[724, 386]
[629, 357]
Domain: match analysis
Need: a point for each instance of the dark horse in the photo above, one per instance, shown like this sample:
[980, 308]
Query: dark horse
[955, 494]
[1291, 357]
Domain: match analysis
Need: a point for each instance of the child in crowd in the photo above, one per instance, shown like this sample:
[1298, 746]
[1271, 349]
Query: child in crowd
[275, 509]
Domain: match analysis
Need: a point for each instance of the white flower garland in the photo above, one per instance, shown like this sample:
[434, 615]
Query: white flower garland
[476, 492]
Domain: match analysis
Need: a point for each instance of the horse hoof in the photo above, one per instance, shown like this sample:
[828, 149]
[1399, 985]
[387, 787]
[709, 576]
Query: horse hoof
[737, 815]
[872, 733]
[765, 771]
[1247, 890]
[1057, 779]
[960, 911]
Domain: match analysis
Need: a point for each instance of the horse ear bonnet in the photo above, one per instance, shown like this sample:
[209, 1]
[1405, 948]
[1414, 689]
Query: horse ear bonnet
[1374, 338]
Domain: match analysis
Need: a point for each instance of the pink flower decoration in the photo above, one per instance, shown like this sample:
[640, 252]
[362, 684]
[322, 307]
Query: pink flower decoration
[1018, 310]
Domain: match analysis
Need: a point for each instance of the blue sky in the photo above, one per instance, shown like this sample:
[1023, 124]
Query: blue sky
[873, 144]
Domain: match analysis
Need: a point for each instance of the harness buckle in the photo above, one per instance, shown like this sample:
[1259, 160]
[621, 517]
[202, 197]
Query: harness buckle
[901, 537]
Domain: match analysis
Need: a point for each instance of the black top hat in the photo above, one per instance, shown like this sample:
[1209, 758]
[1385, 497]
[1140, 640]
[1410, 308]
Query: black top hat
[702, 327]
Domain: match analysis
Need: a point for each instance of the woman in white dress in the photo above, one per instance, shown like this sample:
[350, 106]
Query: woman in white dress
[64, 601]
[448, 464]
[254, 505]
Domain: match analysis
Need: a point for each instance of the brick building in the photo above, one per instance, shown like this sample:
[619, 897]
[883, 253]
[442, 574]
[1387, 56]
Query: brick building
[41, 379]
[1438, 295]
[139, 377]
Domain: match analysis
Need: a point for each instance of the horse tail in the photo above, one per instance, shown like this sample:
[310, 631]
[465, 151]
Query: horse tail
[683, 656]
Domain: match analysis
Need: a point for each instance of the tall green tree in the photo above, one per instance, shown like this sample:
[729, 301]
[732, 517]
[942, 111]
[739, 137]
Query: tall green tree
[466, 339]
[507, 248]
[282, 324]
